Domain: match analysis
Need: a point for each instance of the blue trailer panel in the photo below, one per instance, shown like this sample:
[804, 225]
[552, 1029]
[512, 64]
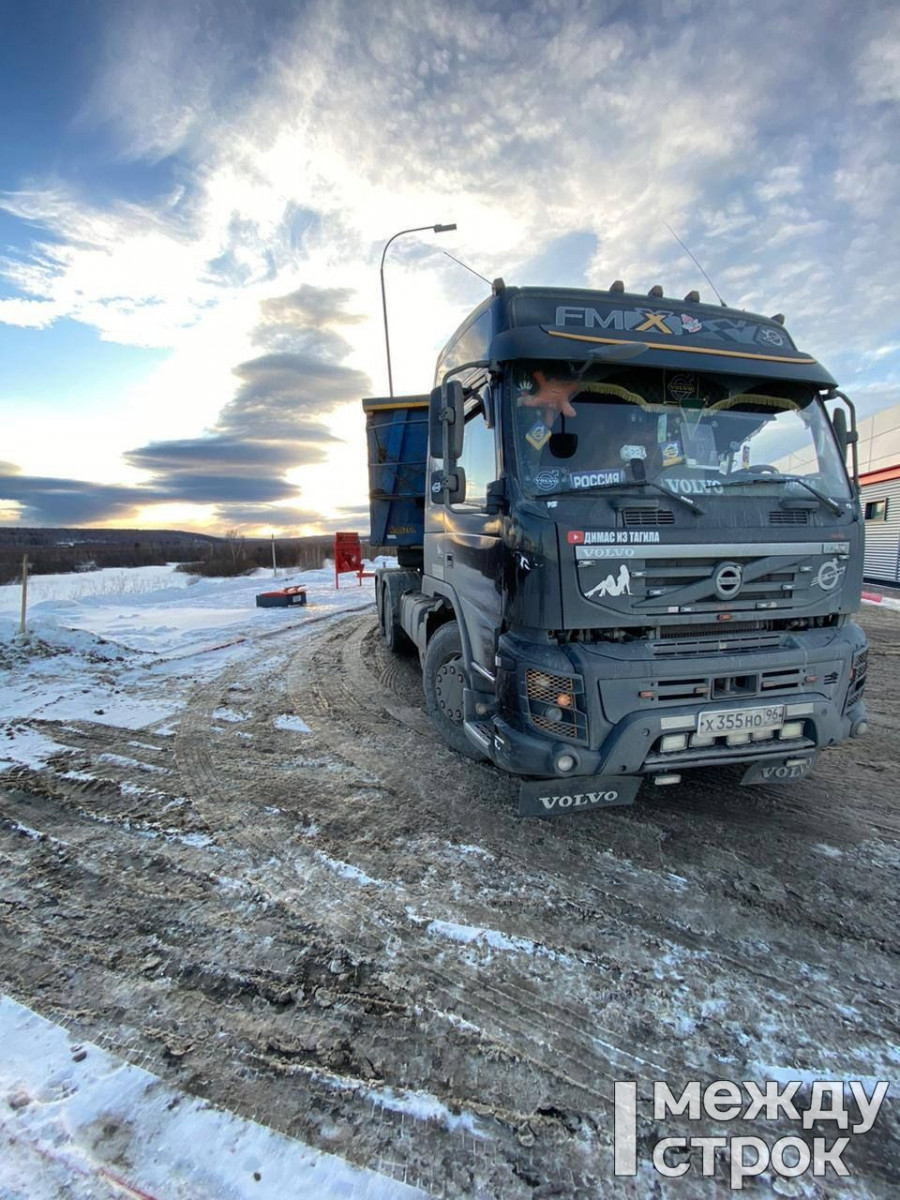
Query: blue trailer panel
[397, 436]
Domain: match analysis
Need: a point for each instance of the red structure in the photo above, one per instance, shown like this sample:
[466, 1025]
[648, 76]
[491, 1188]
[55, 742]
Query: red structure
[348, 557]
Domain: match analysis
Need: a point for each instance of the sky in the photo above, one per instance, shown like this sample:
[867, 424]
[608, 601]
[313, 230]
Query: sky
[195, 196]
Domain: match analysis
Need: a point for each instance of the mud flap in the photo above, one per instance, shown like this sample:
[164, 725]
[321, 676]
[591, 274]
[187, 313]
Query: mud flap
[561, 797]
[781, 770]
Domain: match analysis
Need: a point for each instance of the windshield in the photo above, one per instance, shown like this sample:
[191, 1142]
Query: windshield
[596, 426]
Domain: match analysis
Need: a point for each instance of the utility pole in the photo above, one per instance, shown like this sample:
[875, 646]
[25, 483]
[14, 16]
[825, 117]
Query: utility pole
[274, 566]
[24, 594]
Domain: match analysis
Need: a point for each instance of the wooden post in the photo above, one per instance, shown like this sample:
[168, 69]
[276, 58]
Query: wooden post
[274, 566]
[24, 594]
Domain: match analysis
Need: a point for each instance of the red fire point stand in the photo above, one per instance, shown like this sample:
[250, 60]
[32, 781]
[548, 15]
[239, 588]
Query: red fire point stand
[348, 557]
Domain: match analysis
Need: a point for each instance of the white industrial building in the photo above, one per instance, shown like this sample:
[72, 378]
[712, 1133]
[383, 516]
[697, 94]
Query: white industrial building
[879, 479]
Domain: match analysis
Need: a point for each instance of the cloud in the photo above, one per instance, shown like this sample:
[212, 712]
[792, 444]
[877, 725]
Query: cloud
[272, 426]
[49, 501]
[559, 136]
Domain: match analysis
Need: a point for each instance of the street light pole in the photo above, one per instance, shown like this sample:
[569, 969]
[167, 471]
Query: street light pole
[387, 340]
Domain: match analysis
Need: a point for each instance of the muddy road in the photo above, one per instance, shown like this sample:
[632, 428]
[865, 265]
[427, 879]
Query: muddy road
[344, 932]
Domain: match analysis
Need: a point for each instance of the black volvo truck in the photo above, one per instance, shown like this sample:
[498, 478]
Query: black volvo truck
[628, 544]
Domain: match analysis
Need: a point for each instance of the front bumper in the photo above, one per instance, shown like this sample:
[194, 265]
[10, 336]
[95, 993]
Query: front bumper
[625, 731]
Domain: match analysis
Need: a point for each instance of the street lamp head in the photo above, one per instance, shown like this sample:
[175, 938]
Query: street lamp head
[443, 228]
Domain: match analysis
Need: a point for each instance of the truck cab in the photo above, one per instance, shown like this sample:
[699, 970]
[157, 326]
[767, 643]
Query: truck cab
[635, 548]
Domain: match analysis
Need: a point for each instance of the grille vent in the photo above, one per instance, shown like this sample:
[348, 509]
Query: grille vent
[789, 516]
[648, 516]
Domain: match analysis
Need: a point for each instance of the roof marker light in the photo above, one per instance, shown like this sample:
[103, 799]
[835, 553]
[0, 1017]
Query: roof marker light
[617, 286]
[656, 291]
[693, 296]
[778, 318]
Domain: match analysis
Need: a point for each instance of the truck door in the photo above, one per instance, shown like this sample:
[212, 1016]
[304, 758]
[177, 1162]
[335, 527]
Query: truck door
[472, 548]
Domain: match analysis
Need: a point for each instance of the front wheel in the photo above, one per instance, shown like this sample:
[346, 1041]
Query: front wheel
[444, 680]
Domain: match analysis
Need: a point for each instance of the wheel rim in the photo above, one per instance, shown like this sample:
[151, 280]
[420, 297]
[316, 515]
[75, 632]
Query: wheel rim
[448, 689]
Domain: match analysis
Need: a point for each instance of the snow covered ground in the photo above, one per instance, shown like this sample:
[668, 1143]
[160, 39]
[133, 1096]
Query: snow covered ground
[124, 648]
[80, 1123]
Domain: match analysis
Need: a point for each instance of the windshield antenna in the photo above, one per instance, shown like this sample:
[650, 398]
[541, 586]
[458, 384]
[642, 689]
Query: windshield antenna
[468, 268]
[696, 263]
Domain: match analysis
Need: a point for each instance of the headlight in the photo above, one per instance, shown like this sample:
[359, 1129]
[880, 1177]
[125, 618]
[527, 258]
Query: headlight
[556, 704]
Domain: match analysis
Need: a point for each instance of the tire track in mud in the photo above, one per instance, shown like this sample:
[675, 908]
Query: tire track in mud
[288, 923]
[352, 714]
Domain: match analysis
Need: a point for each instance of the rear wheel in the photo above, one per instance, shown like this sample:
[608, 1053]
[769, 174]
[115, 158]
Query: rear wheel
[444, 679]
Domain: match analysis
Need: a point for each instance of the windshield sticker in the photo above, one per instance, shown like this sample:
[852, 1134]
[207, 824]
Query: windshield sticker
[693, 487]
[671, 454]
[546, 481]
[538, 435]
[690, 324]
[772, 337]
[682, 386]
[588, 479]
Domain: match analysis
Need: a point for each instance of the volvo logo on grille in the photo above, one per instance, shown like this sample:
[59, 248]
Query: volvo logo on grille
[728, 580]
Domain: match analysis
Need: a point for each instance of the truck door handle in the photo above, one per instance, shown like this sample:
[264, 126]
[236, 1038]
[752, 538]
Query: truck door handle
[448, 558]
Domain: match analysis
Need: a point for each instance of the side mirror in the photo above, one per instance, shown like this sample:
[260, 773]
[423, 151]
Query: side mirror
[446, 421]
[839, 423]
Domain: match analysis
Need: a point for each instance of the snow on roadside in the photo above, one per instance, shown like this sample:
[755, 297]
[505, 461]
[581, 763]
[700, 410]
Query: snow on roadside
[76, 1121]
[124, 647]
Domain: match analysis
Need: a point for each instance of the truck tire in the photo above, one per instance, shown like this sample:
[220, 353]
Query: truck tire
[443, 675]
[395, 584]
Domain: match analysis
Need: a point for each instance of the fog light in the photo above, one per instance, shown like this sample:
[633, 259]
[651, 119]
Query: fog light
[791, 729]
[564, 700]
[859, 728]
[663, 780]
[702, 739]
[738, 739]
[564, 762]
[673, 741]
[552, 713]
[764, 735]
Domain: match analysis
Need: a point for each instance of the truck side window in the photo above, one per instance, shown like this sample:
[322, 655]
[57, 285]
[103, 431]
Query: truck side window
[479, 457]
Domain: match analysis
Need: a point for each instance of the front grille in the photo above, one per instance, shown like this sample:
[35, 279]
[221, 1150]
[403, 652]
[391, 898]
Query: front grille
[776, 682]
[789, 516]
[664, 578]
[720, 643]
[544, 693]
[647, 516]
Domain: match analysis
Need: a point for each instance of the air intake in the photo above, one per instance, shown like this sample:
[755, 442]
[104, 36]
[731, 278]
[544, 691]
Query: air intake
[789, 516]
[647, 516]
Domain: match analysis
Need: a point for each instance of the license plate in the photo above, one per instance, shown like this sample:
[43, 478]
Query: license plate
[741, 720]
[561, 797]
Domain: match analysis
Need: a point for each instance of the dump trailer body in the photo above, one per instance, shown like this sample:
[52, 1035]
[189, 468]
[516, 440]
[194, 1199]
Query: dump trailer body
[397, 440]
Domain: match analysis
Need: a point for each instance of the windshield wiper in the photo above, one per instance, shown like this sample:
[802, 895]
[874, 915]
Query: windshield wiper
[836, 508]
[627, 483]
